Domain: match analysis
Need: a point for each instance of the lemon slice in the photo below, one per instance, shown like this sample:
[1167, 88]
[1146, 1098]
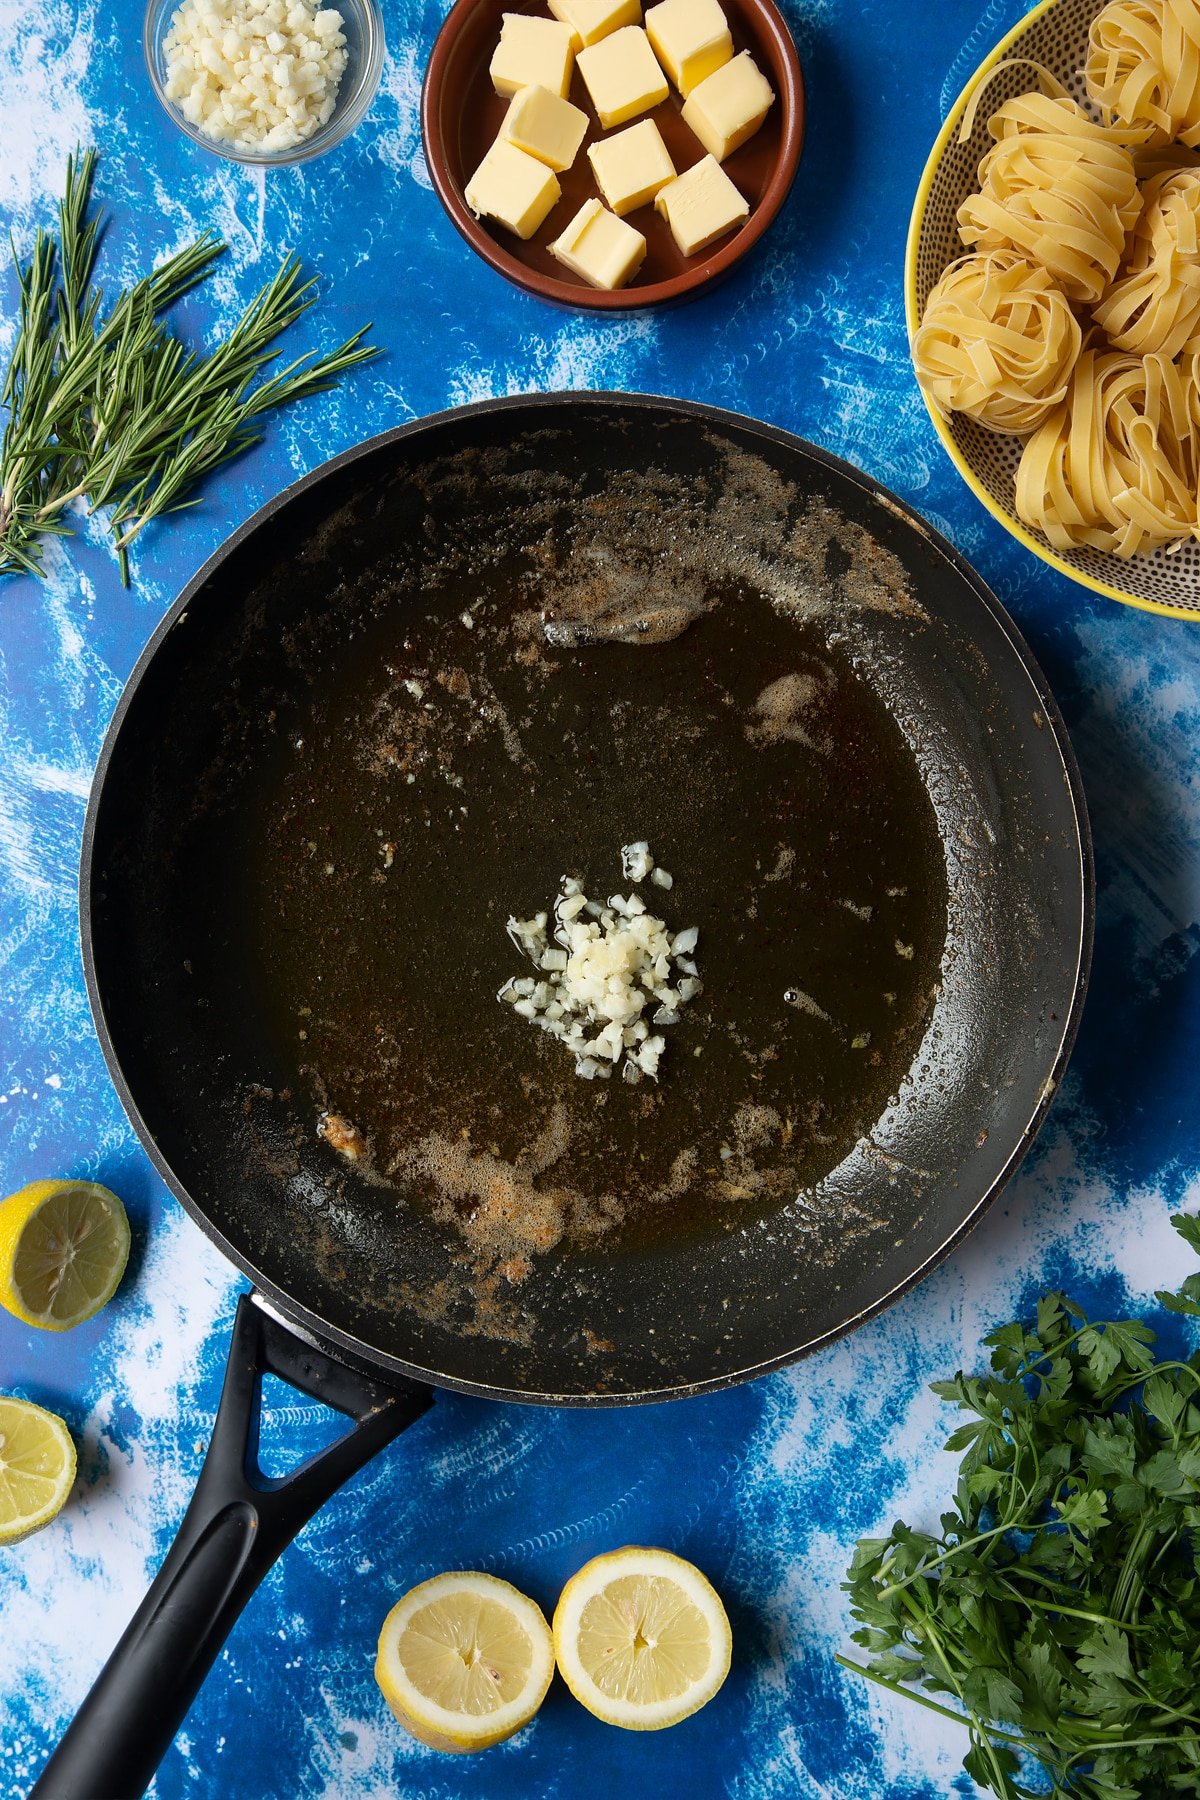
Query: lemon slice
[37, 1467]
[63, 1249]
[464, 1661]
[641, 1638]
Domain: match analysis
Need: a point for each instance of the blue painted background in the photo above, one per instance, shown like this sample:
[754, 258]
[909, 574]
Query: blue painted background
[767, 1486]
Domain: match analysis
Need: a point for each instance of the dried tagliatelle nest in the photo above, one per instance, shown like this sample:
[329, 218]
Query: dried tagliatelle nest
[1155, 305]
[1057, 188]
[998, 341]
[1115, 466]
[1143, 69]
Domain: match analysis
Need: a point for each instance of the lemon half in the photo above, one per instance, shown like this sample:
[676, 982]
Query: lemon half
[37, 1467]
[464, 1661]
[63, 1249]
[641, 1637]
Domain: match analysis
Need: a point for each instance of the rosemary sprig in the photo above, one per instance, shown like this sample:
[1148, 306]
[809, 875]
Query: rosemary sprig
[109, 407]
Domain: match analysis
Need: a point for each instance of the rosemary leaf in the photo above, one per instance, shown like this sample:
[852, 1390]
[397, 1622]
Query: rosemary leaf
[106, 406]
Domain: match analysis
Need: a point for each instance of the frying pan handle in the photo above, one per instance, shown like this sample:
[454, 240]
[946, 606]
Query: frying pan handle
[238, 1523]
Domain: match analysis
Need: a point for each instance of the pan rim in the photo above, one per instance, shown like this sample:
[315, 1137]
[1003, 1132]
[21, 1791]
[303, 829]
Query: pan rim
[301, 1317]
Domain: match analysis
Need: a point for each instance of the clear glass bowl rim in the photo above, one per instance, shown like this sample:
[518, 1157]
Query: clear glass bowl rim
[350, 107]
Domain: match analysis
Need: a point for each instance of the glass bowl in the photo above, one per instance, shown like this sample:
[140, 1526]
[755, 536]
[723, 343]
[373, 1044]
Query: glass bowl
[362, 26]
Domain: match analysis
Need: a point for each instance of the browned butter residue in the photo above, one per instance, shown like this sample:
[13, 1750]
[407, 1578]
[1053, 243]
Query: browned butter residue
[507, 1209]
[343, 1136]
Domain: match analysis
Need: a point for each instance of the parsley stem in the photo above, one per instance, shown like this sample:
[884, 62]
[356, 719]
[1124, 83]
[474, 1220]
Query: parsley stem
[1122, 1742]
[1125, 1595]
[1063, 1345]
[1171, 1712]
[951, 1551]
[999, 1775]
[1069, 1612]
[909, 1693]
[1144, 1375]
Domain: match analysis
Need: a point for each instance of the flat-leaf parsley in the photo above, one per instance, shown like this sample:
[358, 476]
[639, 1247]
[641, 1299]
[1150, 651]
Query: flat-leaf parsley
[1059, 1606]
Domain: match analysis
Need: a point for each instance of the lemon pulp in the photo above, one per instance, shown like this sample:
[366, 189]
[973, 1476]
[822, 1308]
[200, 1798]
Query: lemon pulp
[468, 1653]
[37, 1467]
[641, 1639]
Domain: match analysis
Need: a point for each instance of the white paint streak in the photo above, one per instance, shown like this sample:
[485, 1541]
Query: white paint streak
[575, 357]
[399, 98]
[38, 860]
[49, 780]
[46, 47]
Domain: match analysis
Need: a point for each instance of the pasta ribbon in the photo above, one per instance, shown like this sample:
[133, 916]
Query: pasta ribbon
[1114, 467]
[1155, 303]
[997, 341]
[1056, 188]
[1143, 68]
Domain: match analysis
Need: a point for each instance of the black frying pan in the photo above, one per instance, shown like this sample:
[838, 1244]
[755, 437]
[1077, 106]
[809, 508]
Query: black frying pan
[456, 662]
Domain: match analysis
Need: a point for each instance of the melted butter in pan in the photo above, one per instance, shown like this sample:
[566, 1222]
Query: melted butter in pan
[470, 750]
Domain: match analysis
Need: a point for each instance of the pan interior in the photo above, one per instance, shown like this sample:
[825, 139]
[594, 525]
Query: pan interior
[769, 778]
[464, 667]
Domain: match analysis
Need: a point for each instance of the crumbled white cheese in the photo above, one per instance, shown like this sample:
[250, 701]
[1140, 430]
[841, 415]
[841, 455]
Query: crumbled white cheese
[255, 74]
[605, 966]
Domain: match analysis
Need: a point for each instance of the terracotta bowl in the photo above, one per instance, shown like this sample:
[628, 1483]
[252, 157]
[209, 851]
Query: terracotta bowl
[461, 115]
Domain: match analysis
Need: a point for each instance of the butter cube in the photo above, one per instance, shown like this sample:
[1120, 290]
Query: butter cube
[728, 106]
[591, 20]
[545, 126]
[690, 39]
[600, 248]
[632, 166]
[514, 189]
[532, 53]
[622, 76]
[700, 205]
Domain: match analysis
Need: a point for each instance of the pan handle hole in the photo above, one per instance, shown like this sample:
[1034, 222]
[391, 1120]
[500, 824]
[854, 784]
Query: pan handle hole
[293, 1428]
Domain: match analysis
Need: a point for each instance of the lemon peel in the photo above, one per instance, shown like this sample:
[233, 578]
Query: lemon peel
[37, 1467]
[641, 1638]
[464, 1661]
[63, 1250]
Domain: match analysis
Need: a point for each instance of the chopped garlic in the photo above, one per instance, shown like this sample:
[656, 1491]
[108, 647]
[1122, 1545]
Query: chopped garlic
[611, 963]
[636, 861]
[255, 74]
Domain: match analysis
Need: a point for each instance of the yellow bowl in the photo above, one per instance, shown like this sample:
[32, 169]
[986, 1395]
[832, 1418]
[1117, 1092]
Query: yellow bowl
[1054, 34]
